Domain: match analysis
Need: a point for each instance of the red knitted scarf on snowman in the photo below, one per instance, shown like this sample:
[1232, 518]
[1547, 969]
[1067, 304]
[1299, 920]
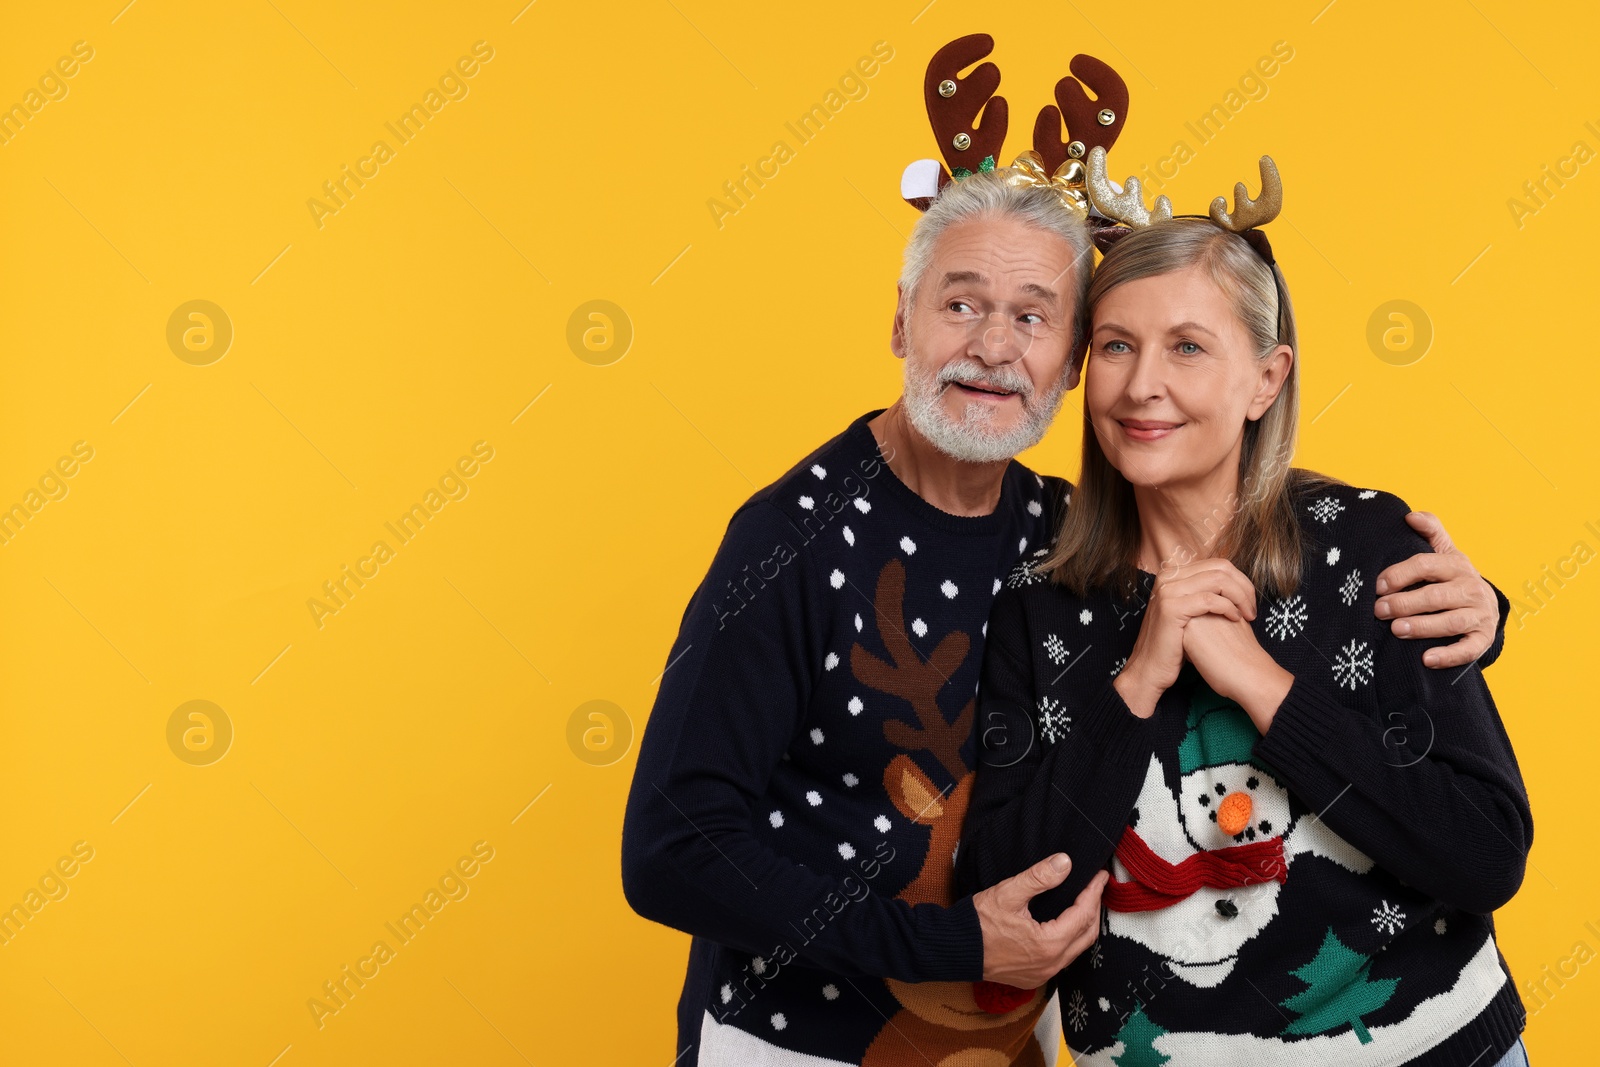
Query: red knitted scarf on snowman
[1158, 884]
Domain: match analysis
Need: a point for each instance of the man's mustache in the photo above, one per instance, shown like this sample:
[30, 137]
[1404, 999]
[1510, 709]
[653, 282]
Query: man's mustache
[1004, 378]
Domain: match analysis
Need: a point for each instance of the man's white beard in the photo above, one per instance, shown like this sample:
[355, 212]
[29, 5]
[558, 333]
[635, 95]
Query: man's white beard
[973, 436]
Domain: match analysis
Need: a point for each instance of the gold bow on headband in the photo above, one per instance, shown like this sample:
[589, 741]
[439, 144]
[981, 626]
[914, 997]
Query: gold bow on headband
[1069, 182]
[969, 123]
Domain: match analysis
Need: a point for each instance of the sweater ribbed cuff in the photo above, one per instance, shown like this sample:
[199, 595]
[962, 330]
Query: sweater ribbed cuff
[1497, 643]
[952, 948]
[1303, 732]
[1117, 734]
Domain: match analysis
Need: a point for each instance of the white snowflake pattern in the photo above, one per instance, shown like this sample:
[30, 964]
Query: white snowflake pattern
[1054, 722]
[1333, 555]
[1325, 509]
[1286, 618]
[1105, 1005]
[1388, 918]
[1096, 959]
[1116, 668]
[1351, 588]
[1055, 649]
[1021, 575]
[1366, 494]
[1077, 1011]
[1086, 616]
[1353, 666]
[778, 1021]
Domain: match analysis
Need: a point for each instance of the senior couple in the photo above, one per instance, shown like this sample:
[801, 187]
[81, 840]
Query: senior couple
[1232, 789]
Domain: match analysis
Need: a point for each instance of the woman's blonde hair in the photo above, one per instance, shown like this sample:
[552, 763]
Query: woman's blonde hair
[1099, 540]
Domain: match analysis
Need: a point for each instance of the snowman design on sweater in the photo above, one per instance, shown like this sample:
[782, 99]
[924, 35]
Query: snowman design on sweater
[1199, 868]
[1241, 927]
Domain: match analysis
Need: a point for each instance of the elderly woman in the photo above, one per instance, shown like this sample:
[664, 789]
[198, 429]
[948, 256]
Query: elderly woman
[1307, 830]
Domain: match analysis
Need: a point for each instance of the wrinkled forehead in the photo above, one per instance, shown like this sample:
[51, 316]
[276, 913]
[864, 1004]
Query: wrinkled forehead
[1004, 259]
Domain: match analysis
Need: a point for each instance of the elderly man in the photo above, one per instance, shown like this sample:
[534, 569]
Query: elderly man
[803, 776]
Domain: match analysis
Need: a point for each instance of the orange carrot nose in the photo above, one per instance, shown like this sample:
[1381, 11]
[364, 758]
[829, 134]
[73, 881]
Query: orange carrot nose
[1233, 814]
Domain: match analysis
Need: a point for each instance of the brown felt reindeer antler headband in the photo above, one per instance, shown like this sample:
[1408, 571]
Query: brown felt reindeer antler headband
[970, 122]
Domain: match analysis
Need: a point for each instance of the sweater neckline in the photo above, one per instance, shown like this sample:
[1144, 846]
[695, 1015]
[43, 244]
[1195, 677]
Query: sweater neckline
[861, 436]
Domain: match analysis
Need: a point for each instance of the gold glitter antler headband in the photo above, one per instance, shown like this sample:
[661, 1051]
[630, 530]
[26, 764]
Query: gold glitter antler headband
[1247, 213]
[1125, 206]
[1128, 208]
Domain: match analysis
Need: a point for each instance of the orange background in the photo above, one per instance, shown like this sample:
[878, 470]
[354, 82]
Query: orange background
[373, 347]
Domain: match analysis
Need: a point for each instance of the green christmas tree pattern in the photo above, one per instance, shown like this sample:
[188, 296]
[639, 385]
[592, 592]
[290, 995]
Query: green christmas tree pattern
[1339, 991]
[1138, 1037]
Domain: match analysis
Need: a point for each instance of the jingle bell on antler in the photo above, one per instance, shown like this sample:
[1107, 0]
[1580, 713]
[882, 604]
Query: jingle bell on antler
[955, 105]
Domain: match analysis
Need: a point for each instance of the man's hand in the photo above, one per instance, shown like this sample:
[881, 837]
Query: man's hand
[1019, 951]
[1456, 601]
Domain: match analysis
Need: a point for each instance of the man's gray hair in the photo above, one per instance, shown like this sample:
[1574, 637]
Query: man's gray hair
[987, 195]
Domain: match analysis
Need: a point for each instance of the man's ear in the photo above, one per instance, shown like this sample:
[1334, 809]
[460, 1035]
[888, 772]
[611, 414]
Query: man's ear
[1075, 361]
[897, 333]
[1274, 372]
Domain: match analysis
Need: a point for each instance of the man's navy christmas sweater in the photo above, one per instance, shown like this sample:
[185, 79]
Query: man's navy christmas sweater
[803, 777]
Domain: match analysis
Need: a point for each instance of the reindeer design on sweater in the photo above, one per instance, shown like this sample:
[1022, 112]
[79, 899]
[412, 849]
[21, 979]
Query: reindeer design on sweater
[939, 1023]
